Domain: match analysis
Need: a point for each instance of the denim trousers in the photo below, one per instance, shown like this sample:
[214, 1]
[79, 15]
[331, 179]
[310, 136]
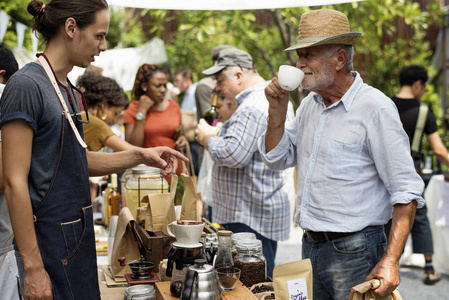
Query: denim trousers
[269, 247]
[343, 263]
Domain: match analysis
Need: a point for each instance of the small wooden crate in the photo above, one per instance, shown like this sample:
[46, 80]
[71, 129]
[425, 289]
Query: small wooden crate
[157, 245]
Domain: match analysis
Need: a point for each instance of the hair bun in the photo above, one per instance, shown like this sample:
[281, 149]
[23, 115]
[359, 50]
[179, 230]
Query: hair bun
[35, 7]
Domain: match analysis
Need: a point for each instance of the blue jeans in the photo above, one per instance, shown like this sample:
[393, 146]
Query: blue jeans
[268, 246]
[343, 263]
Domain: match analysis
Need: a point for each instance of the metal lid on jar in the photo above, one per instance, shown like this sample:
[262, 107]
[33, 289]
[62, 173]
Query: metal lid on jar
[239, 236]
[140, 291]
[249, 245]
[144, 169]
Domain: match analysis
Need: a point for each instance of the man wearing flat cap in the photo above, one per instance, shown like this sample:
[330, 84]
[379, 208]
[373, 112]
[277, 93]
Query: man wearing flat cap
[354, 167]
[247, 195]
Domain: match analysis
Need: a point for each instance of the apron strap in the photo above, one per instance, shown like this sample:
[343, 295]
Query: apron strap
[65, 110]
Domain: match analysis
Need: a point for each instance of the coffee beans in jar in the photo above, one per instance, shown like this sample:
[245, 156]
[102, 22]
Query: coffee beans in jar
[251, 262]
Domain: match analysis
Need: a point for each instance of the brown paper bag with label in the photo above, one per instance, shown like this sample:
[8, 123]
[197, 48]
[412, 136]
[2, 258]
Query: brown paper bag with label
[293, 280]
[161, 208]
[188, 209]
[125, 245]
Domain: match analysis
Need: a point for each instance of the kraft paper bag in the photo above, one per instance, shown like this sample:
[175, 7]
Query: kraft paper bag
[293, 280]
[188, 205]
[161, 208]
[364, 291]
[125, 245]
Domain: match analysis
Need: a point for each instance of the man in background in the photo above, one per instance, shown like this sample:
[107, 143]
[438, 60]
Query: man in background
[183, 80]
[247, 195]
[412, 80]
[9, 271]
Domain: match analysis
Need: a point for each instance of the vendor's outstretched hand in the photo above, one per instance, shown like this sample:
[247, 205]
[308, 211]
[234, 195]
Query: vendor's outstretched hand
[163, 158]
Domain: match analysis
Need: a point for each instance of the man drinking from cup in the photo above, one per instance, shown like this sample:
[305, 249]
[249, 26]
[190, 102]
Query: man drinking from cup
[354, 167]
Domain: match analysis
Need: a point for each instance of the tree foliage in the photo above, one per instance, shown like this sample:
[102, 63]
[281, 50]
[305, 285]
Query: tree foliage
[394, 34]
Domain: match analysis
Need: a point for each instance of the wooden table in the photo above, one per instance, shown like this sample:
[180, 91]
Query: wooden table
[240, 292]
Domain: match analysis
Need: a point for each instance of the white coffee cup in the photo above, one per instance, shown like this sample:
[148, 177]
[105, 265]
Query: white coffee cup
[289, 77]
[186, 234]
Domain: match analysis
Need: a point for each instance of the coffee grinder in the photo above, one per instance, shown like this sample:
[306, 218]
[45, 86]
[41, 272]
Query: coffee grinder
[180, 257]
[142, 270]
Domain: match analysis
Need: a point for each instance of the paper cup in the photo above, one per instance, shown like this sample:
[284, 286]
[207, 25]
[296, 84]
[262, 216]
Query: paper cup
[289, 77]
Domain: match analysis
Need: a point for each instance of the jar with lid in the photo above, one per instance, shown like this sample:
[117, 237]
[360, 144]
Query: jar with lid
[240, 236]
[251, 261]
[223, 258]
[144, 180]
[141, 292]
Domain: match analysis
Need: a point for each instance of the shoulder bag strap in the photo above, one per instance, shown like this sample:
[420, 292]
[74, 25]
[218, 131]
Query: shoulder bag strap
[422, 116]
[65, 110]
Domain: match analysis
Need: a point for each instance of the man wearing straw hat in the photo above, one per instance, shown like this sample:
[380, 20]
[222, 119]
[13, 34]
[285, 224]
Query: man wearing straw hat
[354, 167]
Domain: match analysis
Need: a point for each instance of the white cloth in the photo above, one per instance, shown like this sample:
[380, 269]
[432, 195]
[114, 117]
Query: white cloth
[9, 277]
[440, 235]
[442, 219]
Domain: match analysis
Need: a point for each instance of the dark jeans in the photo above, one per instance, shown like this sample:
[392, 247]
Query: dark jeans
[342, 263]
[269, 247]
[421, 234]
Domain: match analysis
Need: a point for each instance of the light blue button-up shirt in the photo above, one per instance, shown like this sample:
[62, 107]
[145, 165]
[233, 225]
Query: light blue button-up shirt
[353, 160]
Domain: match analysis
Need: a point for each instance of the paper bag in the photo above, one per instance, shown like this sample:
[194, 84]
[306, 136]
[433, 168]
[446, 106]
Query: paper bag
[188, 209]
[161, 208]
[294, 280]
[364, 291]
[125, 244]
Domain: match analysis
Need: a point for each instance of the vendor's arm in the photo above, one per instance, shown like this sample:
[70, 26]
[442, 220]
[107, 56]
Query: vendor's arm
[117, 144]
[387, 269]
[101, 163]
[17, 139]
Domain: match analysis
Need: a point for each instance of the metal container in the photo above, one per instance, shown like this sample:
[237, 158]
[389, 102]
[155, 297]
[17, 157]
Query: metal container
[140, 292]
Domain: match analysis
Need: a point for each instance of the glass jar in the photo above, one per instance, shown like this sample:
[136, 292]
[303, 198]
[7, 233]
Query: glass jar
[240, 236]
[251, 261]
[224, 255]
[144, 180]
[141, 292]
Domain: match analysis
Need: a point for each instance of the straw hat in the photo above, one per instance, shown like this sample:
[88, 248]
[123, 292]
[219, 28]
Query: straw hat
[322, 27]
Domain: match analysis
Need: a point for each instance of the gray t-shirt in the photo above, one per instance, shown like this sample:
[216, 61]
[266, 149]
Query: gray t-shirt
[30, 96]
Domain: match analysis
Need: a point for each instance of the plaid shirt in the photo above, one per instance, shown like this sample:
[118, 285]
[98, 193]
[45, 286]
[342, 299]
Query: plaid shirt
[245, 190]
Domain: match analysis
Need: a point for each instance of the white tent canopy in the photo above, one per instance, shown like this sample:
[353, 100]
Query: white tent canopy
[222, 4]
[122, 64]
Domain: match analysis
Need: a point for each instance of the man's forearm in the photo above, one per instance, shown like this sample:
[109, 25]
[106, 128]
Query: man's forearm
[403, 217]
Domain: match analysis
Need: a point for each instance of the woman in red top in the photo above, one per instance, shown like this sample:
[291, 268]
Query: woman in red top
[151, 119]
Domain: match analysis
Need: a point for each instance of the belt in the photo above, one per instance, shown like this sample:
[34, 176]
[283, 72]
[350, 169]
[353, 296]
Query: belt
[317, 237]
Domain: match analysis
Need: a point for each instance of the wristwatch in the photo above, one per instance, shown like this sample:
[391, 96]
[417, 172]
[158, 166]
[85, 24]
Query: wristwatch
[140, 116]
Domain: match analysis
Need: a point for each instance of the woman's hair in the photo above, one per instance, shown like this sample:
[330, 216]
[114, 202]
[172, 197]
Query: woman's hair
[49, 18]
[97, 89]
[144, 73]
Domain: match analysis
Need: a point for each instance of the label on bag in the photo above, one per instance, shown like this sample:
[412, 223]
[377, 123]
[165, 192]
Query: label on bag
[297, 289]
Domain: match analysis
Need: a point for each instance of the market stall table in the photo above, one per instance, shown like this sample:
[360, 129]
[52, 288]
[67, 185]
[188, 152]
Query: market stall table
[240, 292]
